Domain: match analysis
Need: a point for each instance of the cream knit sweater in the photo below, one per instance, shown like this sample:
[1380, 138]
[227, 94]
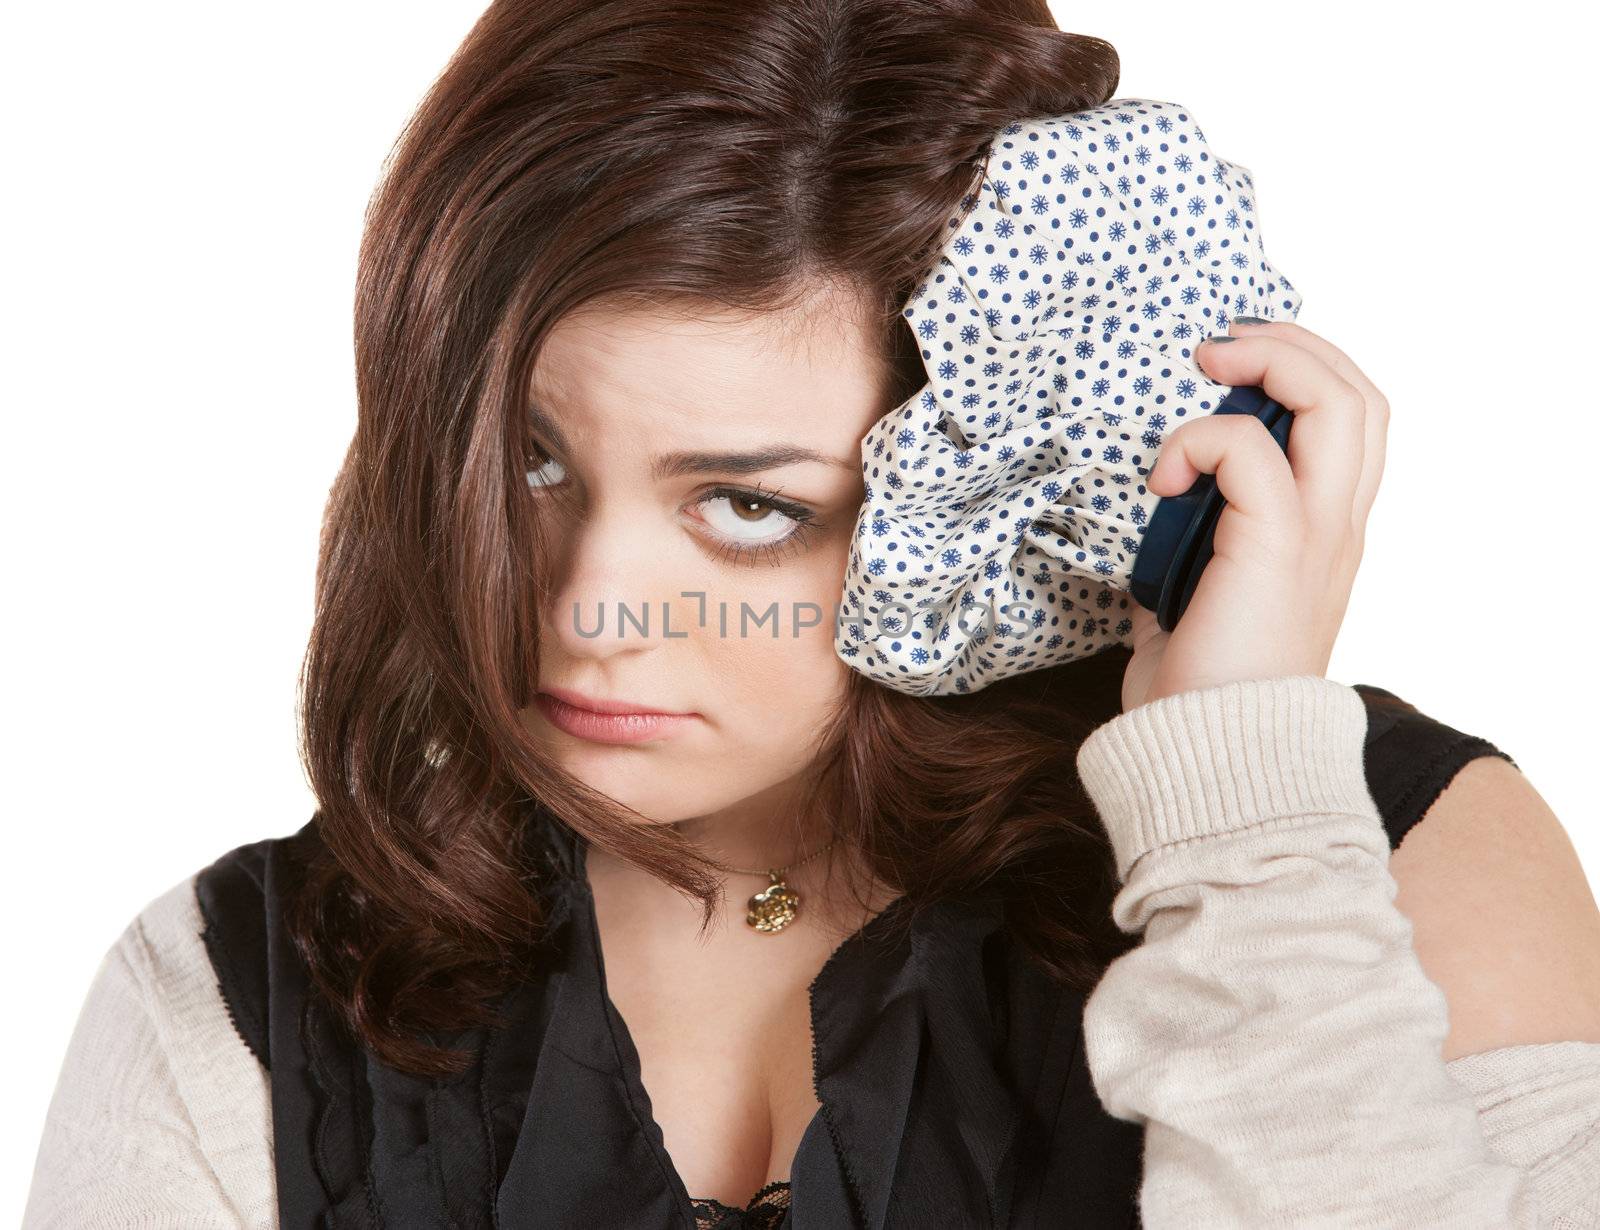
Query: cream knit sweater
[1273, 1030]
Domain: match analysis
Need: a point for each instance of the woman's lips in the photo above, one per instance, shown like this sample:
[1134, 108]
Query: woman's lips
[609, 727]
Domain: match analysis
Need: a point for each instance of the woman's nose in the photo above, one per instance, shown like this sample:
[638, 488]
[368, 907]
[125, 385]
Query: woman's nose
[615, 588]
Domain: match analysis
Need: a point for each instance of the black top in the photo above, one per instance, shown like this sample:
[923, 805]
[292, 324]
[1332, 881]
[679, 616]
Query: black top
[951, 1072]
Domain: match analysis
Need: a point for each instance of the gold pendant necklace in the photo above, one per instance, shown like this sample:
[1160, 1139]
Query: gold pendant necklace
[777, 905]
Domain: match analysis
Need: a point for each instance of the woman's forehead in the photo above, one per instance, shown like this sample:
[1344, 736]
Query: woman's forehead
[671, 372]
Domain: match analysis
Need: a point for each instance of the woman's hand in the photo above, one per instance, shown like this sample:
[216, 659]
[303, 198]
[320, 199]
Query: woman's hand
[1289, 541]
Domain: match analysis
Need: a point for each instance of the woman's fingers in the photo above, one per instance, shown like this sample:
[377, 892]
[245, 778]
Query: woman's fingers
[1252, 473]
[1288, 545]
[1377, 424]
[1298, 335]
[1327, 442]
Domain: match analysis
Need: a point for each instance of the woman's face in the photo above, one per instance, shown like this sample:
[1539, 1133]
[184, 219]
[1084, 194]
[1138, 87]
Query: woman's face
[703, 480]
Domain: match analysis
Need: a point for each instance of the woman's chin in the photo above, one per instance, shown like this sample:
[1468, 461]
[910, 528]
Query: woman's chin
[650, 793]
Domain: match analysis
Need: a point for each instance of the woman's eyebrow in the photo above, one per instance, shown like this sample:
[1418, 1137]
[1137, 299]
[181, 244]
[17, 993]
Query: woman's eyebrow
[679, 464]
[768, 457]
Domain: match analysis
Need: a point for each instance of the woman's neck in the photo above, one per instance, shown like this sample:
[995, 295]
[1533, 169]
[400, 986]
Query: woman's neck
[773, 829]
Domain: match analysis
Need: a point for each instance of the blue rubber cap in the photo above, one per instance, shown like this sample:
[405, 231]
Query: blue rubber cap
[1177, 544]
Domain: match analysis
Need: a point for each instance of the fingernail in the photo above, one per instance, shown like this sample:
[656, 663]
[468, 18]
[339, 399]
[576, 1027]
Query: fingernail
[1219, 337]
[1250, 320]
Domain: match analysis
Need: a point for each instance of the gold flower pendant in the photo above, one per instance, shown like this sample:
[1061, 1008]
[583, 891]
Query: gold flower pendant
[774, 907]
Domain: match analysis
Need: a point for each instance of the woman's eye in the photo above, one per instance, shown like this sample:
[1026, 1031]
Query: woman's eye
[745, 518]
[743, 523]
[547, 471]
[749, 522]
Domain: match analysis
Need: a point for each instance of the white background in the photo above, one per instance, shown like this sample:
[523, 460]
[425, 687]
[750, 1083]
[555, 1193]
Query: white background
[187, 185]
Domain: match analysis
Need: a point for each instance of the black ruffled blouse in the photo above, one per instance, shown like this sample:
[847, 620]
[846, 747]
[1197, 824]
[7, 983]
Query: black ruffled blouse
[954, 1086]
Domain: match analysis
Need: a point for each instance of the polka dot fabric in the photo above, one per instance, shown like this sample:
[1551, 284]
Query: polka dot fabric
[1005, 501]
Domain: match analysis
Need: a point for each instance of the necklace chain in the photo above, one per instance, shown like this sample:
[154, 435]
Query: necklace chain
[770, 870]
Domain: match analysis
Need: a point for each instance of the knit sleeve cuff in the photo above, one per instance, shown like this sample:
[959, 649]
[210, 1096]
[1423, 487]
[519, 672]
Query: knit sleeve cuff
[1227, 757]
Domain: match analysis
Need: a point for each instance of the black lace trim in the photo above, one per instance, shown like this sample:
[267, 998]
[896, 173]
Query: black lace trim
[230, 899]
[765, 1211]
[254, 1033]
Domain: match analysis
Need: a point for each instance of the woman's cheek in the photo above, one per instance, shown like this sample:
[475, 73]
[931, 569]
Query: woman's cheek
[794, 676]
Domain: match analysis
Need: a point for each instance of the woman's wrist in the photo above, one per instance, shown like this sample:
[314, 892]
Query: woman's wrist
[1224, 758]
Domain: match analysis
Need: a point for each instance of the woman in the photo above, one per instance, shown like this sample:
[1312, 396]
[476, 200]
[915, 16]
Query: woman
[629, 902]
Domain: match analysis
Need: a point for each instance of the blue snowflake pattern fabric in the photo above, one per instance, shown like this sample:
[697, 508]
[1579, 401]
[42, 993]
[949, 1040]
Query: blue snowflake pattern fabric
[1005, 501]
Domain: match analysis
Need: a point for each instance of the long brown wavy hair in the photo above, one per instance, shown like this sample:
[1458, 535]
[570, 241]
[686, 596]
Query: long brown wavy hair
[648, 152]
